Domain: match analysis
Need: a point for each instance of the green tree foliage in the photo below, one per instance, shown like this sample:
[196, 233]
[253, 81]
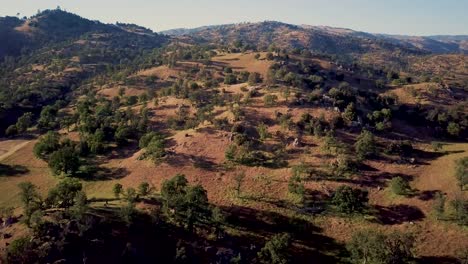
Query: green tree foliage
[47, 144]
[460, 210]
[439, 205]
[453, 129]
[64, 194]
[21, 250]
[96, 141]
[239, 180]
[461, 172]
[153, 143]
[349, 200]
[48, 118]
[65, 161]
[373, 247]
[144, 189]
[275, 250]
[296, 186]
[270, 100]
[365, 145]
[131, 195]
[30, 199]
[11, 131]
[123, 134]
[230, 79]
[254, 78]
[400, 186]
[117, 190]
[262, 130]
[24, 122]
[187, 205]
[350, 113]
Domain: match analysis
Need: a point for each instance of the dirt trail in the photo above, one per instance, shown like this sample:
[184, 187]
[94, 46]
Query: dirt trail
[8, 151]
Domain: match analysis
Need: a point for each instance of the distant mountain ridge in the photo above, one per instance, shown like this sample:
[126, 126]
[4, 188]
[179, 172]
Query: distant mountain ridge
[55, 26]
[438, 44]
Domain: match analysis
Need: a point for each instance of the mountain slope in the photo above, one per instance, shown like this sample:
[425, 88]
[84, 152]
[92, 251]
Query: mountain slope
[323, 38]
[55, 26]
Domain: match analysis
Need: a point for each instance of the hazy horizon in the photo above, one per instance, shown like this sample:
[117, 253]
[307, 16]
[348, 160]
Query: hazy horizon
[418, 18]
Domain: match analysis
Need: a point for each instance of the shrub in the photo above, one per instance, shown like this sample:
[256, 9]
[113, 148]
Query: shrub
[371, 246]
[365, 145]
[64, 161]
[349, 200]
[262, 130]
[275, 250]
[47, 144]
[270, 100]
[64, 193]
[400, 186]
[461, 172]
[230, 79]
[254, 78]
[144, 189]
[11, 131]
[117, 190]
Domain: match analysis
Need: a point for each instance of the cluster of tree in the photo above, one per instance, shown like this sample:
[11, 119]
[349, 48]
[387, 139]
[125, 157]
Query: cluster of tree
[248, 150]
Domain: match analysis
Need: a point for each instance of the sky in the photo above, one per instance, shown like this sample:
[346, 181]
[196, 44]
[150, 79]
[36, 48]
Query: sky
[408, 17]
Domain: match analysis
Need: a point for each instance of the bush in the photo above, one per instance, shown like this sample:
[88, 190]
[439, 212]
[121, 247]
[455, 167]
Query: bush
[11, 131]
[371, 246]
[262, 130]
[400, 186]
[365, 145]
[254, 78]
[461, 172]
[270, 100]
[47, 144]
[64, 193]
[64, 161]
[117, 190]
[275, 250]
[349, 200]
[230, 79]
[144, 189]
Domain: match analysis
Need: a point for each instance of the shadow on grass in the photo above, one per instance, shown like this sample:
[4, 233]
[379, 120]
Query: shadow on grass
[437, 260]
[308, 244]
[12, 170]
[398, 214]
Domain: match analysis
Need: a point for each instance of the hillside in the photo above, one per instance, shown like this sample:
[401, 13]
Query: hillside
[56, 26]
[324, 38]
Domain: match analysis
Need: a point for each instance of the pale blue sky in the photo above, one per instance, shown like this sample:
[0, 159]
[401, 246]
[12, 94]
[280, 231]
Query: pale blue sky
[414, 17]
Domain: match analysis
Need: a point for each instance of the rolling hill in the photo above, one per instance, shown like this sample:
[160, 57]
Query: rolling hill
[323, 38]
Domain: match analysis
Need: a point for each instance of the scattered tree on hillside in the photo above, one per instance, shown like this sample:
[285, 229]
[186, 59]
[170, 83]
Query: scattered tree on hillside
[47, 144]
[400, 186]
[372, 246]
[349, 200]
[365, 145]
[30, 199]
[461, 172]
[64, 161]
[117, 190]
[275, 250]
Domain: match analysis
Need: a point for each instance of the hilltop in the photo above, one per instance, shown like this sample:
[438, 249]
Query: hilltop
[319, 37]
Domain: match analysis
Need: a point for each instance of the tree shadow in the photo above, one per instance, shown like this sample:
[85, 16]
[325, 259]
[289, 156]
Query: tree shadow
[437, 260]
[427, 195]
[307, 243]
[12, 170]
[180, 160]
[398, 214]
[105, 174]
